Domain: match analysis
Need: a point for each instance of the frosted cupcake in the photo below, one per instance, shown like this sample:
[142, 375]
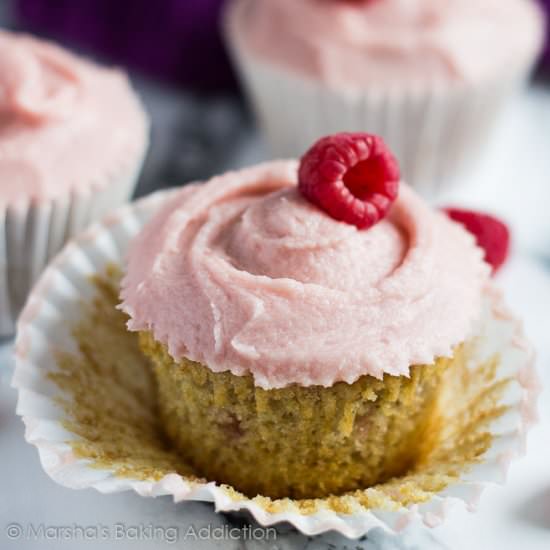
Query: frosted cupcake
[303, 320]
[430, 76]
[73, 136]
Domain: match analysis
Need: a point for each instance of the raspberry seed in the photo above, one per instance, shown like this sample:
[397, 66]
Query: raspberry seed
[352, 176]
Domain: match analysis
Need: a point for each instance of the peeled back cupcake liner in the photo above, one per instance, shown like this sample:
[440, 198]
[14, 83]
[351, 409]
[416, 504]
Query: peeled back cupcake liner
[34, 231]
[88, 402]
[436, 130]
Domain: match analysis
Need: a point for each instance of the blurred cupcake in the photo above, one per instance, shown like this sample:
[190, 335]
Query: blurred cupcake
[73, 136]
[430, 76]
[302, 336]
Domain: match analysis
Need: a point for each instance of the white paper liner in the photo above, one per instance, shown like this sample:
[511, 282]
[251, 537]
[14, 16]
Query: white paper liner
[436, 131]
[55, 304]
[33, 232]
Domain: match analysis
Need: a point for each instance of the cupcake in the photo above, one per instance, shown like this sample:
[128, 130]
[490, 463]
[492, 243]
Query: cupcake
[73, 137]
[429, 76]
[304, 322]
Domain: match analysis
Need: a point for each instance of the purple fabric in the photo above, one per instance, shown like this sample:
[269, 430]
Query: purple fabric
[546, 54]
[176, 40]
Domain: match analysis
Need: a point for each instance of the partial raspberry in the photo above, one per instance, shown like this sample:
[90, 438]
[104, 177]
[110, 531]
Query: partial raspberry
[352, 176]
[491, 234]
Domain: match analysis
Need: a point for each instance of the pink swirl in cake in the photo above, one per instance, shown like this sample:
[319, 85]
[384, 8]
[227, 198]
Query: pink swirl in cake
[243, 274]
[65, 123]
[385, 42]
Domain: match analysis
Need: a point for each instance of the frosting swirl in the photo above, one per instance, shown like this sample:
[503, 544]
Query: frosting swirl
[243, 274]
[385, 42]
[65, 123]
[37, 83]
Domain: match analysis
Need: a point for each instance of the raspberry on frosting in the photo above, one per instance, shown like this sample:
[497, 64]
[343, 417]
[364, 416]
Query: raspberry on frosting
[491, 234]
[352, 176]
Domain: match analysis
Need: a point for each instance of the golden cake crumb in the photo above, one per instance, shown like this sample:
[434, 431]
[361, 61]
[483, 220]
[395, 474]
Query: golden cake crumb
[296, 442]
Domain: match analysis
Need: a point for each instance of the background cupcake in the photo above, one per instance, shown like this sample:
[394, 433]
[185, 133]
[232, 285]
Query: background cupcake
[429, 76]
[72, 141]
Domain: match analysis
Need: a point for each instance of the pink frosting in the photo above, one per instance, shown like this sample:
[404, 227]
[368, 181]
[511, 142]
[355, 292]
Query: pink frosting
[243, 274]
[382, 42]
[65, 123]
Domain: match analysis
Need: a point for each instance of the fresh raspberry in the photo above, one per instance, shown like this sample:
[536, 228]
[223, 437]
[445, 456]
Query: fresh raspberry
[491, 234]
[352, 176]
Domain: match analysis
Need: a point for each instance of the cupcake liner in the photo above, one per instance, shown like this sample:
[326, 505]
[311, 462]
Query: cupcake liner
[91, 413]
[33, 231]
[435, 130]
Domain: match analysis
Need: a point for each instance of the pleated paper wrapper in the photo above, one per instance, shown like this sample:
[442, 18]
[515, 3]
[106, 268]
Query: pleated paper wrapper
[32, 232]
[87, 398]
